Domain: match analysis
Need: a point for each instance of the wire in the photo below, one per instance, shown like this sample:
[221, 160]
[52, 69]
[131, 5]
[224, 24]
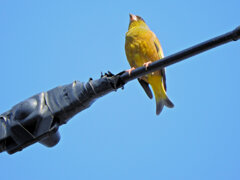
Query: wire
[182, 55]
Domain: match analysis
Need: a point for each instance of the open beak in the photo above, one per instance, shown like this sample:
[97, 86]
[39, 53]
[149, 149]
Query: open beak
[133, 17]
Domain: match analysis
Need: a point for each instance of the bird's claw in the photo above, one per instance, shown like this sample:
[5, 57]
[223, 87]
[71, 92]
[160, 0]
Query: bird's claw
[146, 64]
[130, 70]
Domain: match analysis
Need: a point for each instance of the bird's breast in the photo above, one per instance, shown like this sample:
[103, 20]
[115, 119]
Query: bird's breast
[135, 51]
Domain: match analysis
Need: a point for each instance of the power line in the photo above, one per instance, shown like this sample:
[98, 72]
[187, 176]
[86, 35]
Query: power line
[182, 55]
[37, 118]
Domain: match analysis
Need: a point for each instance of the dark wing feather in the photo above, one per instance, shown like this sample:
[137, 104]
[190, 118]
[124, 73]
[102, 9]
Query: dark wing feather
[156, 46]
[162, 71]
[146, 88]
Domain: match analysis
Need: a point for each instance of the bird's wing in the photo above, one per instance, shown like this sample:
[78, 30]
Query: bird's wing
[163, 73]
[160, 54]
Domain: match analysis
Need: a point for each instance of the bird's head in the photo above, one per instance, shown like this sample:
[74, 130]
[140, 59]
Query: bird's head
[136, 21]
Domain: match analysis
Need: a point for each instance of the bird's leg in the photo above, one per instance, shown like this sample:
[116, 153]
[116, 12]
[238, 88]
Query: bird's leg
[130, 70]
[146, 64]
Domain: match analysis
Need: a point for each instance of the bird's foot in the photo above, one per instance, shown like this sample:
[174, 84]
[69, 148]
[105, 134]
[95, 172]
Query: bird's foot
[146, 64]
[130, 70]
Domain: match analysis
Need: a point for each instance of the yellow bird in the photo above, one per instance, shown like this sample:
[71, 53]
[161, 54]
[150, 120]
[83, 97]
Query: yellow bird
[143, 47]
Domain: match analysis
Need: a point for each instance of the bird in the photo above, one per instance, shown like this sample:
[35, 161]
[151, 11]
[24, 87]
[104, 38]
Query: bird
[142, 47]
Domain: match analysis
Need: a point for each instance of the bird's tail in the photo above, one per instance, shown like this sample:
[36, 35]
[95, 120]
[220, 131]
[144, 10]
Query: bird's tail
[159, 93]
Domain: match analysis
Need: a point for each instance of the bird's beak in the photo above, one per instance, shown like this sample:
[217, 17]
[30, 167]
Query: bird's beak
[133, 17]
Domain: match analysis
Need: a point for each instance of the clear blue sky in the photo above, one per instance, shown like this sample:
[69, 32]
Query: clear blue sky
[45, 44]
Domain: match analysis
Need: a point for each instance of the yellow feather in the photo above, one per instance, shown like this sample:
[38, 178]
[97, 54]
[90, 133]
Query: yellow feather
[142, 46]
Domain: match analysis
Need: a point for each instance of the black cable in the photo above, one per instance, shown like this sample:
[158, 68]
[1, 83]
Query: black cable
[37, 118]
[184, 54]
